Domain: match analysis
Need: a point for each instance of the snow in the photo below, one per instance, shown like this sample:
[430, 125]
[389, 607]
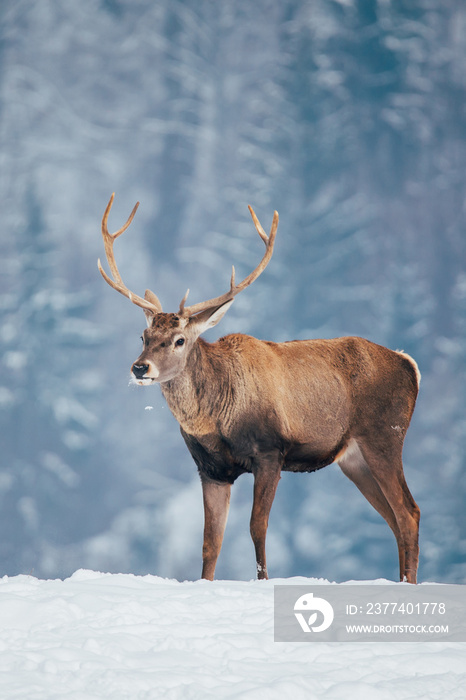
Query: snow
[121, 636]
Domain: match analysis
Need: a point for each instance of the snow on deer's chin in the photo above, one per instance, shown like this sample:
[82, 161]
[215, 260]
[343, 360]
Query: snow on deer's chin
[145, 381]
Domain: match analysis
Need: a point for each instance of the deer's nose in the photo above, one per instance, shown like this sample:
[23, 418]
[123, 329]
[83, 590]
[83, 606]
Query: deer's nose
[140, 370]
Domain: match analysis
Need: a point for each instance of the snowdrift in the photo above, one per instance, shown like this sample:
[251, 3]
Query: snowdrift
[123, 637]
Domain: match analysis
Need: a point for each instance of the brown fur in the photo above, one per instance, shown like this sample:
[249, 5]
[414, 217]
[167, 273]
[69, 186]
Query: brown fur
[247, 405]
[165, 322]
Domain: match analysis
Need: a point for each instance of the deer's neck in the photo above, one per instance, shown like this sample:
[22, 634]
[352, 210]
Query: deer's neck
[195, 395]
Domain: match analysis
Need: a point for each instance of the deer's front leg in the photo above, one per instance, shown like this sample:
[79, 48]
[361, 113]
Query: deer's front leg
[266, 478]
[216, 505]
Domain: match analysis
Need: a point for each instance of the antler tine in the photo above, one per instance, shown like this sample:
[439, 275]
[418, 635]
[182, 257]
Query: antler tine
[237, 288]
[109, 238]
[183, 301]
[258, 226]
[117, 283]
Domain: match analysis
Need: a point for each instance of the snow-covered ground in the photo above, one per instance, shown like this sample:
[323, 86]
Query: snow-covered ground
[130, 637]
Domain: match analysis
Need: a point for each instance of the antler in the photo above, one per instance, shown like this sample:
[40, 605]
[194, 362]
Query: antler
[237, 288]
[117, 283]
[150, 302]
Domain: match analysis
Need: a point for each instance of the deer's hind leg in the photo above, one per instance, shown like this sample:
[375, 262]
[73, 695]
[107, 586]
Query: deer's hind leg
[381, 480]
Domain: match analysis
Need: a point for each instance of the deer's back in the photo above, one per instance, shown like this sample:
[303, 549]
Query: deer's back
[327, 374]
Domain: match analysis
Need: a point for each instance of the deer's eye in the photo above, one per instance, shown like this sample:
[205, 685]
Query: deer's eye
[180, 342]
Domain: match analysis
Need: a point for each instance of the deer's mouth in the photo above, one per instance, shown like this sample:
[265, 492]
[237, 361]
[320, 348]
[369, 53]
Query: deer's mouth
[143, 381]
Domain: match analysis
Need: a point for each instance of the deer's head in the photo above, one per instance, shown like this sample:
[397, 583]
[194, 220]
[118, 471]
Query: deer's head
[169, 337]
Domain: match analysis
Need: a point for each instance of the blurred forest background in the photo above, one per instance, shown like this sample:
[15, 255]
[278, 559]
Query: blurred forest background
[347, 117]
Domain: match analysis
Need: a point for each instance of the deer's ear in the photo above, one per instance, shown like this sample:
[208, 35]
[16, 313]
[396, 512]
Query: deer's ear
[153, 299]
[149, 317]
[210, 317]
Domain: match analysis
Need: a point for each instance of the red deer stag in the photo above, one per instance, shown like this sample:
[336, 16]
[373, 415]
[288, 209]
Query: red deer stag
[248, 405]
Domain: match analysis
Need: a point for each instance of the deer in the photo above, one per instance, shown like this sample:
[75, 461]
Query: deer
[254, 406]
